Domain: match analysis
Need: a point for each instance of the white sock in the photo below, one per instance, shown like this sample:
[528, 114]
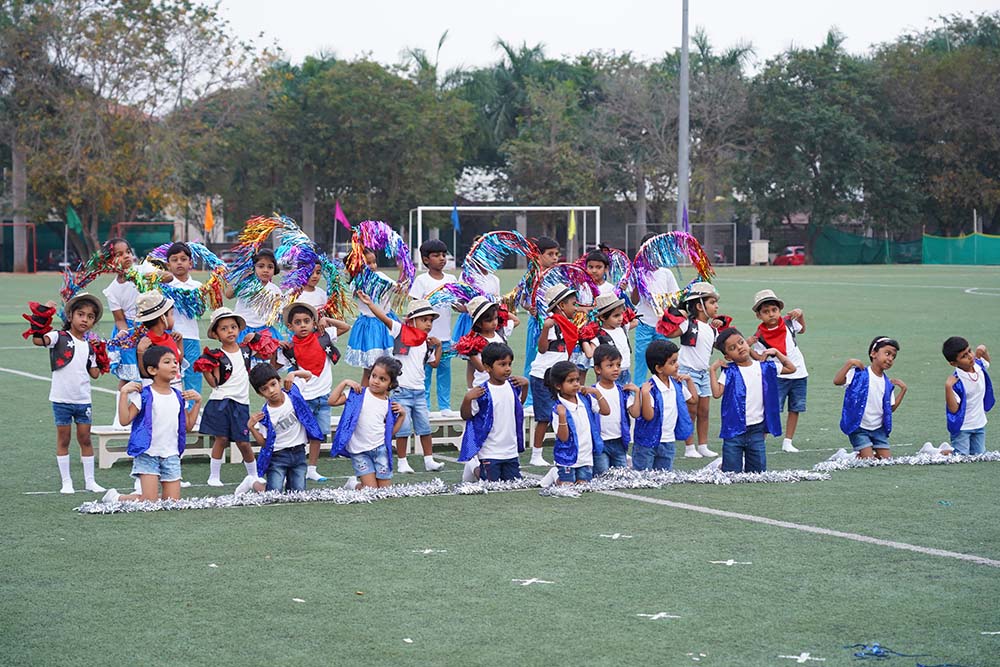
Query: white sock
[63, 462]
[251, 467]
[88, 469]
[215, 468]
[311, 470]
[469, 472]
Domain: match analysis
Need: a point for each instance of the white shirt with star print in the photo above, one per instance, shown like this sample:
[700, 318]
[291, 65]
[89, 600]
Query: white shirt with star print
[237, 387]
[317, 385]
[71, 383]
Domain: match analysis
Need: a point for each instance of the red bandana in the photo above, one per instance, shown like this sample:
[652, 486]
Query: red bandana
[411, 336]
[775, 337]
[569, 331]
[308, 353]
[166, 340]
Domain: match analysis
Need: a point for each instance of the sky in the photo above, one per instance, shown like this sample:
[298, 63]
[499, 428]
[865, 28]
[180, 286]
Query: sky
[384, 29]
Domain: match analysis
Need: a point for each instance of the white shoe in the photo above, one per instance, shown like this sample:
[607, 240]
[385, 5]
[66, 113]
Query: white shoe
[928, 448]
[946, 449]
[789, 447]
[111, 496]
[314, 476]
[246, 486]
[550, 478]
[715, 464]
[706, 452]
[690, 452]
[537, 459]
[451, 414]
[185, 485]
[838, 455]
[214, 481]
[432, 465]
[628, 460]
[351, 483]
[94, 487]
[469, 471]
[67, 487]
[403, 466]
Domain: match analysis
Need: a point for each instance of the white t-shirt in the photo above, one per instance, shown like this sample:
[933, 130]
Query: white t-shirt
[369, 432]
[794, 353]
[488, 284]
[317, 385]
[584, 440]
[183, 324]
[71, 383]
[252, 317]
[424, 285]
[546, 360]
[660, 281]
[237, 387]
[619, 337]
[480, 377]
[288, 430]
[754, 382]
[412, 376]
[872, 418]
[385, 303]
[699, 355]
[501, 443]
[669, 425]
[164, 422]
[316, 298]
[611, 425]
[122, 296]
[605, 288]
[975, 394]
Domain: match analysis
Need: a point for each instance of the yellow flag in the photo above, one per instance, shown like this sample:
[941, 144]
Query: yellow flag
[209, 220]
[572, 225]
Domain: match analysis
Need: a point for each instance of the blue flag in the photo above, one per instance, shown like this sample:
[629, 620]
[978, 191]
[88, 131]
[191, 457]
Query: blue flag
[687, 226]
[454, 219]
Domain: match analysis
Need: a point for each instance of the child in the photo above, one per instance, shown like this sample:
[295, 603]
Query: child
[610, 312]
[749, 392]
[869, 401]
[487, 328]
[494, 415]
[370, 340]
[281, 430]
[661, 282]
[780, 331]
[556, 341]
[228, 408]
[159, 428]
[616, 426]
[179, 264]
[597, 264]
[489, 285]
[434, 255]
[369, 423]
[313, 351]
[548, 256]
[265, 267]
[577, 428]
[415, 350]
[663, 418]
[156, 313]
[73, 362]
[697, 334]
[968, 395]
[121, 295]
[312, 293]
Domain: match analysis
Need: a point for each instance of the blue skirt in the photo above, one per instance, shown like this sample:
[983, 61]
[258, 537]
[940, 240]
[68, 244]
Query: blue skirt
[462, 326]
[124, 364]
[369, 340]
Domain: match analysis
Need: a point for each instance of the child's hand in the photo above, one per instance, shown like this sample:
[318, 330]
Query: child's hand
[131, 388]
[325, 322]
[794, 313]
[856, 363]
[561, 411]
[364, 298]
[355, 386]
[250, 337]
[631, 388]
[898, 383]
[255, 419]
[475, 393]
[769, 352]
[752, 340]
[285, 344]
[52, 304]
[548, 322]
[951, 381]
[720, 363]
[178, 338]
[520, 381]
[191, 395]
[589, 391]
[304, 374]
[717, 323]
[681, 377]
[397, 409]
[981, 352]
[433, 341]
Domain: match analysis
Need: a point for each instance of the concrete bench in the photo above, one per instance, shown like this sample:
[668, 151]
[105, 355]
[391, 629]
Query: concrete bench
[112, 441]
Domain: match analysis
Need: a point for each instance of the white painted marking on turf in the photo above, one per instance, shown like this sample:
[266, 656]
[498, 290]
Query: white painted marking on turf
[989, 633]
[407, 640]
[297, 600]
[618, 536]
[42, 377]
[528, 582]
[802, 657]
[429, 551]
[903, 546]
[975, 290]
[730, 562]
[657, 616]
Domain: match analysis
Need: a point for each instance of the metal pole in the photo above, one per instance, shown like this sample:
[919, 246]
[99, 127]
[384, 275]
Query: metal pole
[597, 227]
[65, 261]
[420, 236]
[683, 130]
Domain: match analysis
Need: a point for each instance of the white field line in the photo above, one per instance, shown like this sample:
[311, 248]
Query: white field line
[46, 379]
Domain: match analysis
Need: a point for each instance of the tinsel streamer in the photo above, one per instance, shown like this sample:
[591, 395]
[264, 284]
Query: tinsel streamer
[571, 275]
[202, 257]
[667, 251]
[452, 293]
[128, 341]
[915, 460]
[489, 252]
[99, 263]
[481, 488]
[371, 283]
[627, 478]
[379, 237]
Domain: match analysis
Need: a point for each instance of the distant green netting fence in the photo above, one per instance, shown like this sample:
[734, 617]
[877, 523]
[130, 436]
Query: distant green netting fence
[971, 249]
[833, 246]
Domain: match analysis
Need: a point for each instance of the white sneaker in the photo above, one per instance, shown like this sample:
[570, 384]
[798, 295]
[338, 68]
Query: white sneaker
[690, 452]
[403, 466]
[451, 414]
[550, 478]
[432, 465]
[246, 486]
[928, 448]
[351, 483]
[537, 459]
[67, 487]
[469, 471]
[185, 485]
[838, 455]
[111, 496]
[315, 476]
[94, 487]
[628, 460]
[214, 481]
[789, 447]
[715, 464]
[946, 449]
[706, 452]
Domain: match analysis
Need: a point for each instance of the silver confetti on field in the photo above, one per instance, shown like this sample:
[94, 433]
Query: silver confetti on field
[915, 460]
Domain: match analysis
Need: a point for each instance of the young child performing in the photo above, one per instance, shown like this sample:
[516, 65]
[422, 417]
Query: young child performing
[661, 282]
[281, 430]
[159, 428]
[610, 312]
[548, 256]
[557, 340]
[368, 424]
[228, 408]
[121, 295]
[968, 395]
[312, 293]
[780, 331]
[179, 264]
[415, 350]
[313, 351]
[577, 427]
[434, 255]
[369, 340]
[869, 400]
[73, 362]
[597, 265]
[664, 418]
[615, 427]
[494, 415]
[487, 328]
[265, 267]
[749, 392]
[156, 313]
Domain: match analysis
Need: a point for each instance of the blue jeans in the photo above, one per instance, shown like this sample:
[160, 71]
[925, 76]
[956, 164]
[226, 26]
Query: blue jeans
[624, 378]
[287, 470]
[660, 457]
[320, 409]
[581, 474]
[66, 413]
[613, 456]
[644, 335]
[374, 461]
[795, 391]
[745, 452]
[531, 351]
[499, 470]
[416, 420]
[969, 442]
[443, 379]
[544, 400]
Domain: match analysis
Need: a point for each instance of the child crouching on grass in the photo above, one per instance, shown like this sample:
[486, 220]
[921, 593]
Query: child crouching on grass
[664, 418]
[866, 418]
[159, 427]
[576, 424]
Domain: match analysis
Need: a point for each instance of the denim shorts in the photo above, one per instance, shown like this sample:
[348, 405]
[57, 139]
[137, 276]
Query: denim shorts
[320, 407]
[660, 457]
[700, 378]
[877, 439]
[581, 474]
[417, 416]
[543, 400]
[226, 418]
[795, 391]
[67, 413]
[373, 461]
[970, 442]
[499, 470]
[167, 468]
[614, 456]
[287, 469]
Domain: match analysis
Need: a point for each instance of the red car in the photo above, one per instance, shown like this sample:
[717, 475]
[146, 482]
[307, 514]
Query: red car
[794, 255]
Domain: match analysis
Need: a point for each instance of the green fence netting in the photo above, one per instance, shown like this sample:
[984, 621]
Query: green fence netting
[971, 249]
[833, 246]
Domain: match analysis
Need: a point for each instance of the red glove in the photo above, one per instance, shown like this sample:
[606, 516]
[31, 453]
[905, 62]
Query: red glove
[208, 361]
[670, 322]
[40, 320]
[263, 345]
[470, 344]
[590, 331]
[100, 350]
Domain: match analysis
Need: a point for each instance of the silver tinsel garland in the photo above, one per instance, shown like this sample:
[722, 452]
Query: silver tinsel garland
[915, 460]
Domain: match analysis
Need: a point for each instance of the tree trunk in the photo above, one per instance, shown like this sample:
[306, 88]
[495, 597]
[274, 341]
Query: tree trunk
[641, 205]
[309, 201]
[20, 168]
[812, 231]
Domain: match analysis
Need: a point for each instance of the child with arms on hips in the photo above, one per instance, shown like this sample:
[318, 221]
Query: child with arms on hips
[968, 395]
[870, 400]
[663, 418]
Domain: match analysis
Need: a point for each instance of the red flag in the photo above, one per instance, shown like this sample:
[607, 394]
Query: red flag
[338, 215]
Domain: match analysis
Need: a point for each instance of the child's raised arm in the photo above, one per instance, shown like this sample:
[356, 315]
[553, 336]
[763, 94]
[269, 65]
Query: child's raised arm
[786, 365]
[841, 376]
[300, 373]
[602, 402]
[252, 427]
[339, 395]
[645, 402]
[983, 353]
[717, 387]
[635, 409]
[692, 389]
[127, 411]
[435, 345]
[950, 397]
[470, 396]
[543, 335]
[397, 410]
[797, 315]
[562, 428]
[192, 412]
[376, 309]
[902, 392]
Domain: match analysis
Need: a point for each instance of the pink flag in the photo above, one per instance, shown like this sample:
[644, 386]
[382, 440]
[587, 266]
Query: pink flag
[338, 215]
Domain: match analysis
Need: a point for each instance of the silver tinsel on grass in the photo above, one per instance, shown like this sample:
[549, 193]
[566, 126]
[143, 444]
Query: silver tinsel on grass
[915, 460]
[482, 488]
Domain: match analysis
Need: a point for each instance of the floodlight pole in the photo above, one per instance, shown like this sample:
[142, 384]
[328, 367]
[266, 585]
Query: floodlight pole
[683, 130]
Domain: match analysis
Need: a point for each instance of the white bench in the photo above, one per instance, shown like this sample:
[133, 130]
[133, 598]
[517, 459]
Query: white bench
[108, 453]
